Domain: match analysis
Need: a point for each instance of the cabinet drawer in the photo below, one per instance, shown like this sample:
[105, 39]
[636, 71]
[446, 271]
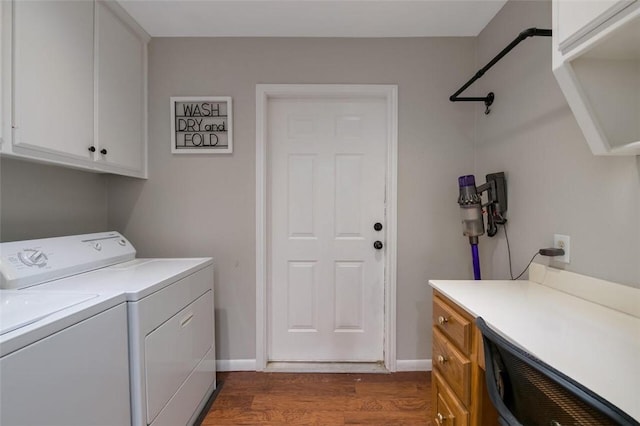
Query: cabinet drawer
[456, 327]
[453, 365]
[447, 410]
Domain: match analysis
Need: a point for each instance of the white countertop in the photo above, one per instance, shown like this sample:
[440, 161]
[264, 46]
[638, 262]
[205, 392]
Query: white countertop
[597, 346]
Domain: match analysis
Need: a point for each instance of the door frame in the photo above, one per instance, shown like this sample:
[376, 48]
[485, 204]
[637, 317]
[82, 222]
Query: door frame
[388, 92]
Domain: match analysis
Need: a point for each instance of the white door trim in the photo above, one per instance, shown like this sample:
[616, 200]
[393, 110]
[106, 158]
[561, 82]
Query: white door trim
[390, 94]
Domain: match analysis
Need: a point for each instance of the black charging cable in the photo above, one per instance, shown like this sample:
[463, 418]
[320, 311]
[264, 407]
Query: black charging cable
[551, 252]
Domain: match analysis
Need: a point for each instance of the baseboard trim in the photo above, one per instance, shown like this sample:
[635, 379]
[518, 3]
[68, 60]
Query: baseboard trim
[236, 365]
[326, 367]
[250, 365]
[413, 365]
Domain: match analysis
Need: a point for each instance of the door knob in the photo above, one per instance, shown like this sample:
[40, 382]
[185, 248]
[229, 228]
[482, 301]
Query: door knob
[377, 226]
[377, 245]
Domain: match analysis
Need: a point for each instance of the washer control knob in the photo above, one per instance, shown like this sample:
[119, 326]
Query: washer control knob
[97, 246]
[122, 242]
[33, 257]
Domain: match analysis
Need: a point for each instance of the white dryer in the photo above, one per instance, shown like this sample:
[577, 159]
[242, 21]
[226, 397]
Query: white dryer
[170, 315]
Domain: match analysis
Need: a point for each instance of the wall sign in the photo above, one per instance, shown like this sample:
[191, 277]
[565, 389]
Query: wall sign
[201, 125]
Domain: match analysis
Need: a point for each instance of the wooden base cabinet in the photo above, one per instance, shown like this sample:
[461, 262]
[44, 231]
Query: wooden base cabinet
[460, 397]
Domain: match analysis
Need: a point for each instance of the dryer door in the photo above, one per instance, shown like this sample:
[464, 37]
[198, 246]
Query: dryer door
[174, 349]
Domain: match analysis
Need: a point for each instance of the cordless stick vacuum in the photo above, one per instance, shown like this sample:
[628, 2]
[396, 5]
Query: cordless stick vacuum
[471, 206]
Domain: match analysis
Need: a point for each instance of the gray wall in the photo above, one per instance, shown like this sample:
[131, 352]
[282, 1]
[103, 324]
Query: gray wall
[205, 205]
[555, 184]
[38, 201]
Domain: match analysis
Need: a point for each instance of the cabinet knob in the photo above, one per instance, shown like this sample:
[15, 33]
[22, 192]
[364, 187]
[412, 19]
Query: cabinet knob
[442, 320]
[377, 226]
[442, 359]
[377, 245]
[440, 418]
[103, 151]
[92, 148]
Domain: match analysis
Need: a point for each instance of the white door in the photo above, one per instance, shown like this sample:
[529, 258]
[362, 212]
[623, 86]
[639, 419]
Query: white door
[326, 162]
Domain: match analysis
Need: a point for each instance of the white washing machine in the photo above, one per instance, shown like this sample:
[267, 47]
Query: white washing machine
[168, 322]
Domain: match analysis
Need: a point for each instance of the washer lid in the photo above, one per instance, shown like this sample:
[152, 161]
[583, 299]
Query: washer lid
[20, 308]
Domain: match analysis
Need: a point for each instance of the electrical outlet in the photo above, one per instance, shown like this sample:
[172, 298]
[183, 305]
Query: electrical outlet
[563, 242]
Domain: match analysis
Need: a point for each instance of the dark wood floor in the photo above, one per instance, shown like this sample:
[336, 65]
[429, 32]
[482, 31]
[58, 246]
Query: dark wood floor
[250, 398]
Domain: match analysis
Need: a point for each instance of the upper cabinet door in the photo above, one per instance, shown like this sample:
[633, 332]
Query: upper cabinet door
[2, 72]
[53, 77]
[121, 90]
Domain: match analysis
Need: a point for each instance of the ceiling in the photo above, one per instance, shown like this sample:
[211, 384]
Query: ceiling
[312, 18]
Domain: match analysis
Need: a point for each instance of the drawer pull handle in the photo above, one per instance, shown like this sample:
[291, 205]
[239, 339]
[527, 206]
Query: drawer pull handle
[442, 359]
[440, 419]
[442, 320]
[186, 320]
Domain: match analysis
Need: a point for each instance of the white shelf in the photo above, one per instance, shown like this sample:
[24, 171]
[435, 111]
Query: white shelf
[600, 77]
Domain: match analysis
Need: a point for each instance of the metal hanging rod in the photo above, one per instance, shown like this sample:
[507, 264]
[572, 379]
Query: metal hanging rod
[488, 100]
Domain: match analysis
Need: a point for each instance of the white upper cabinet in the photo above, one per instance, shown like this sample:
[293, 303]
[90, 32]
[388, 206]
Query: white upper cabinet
[2, 79]
[76, 88]
[121, 95]
[53, 77]
[580, 17]
[596, 60]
